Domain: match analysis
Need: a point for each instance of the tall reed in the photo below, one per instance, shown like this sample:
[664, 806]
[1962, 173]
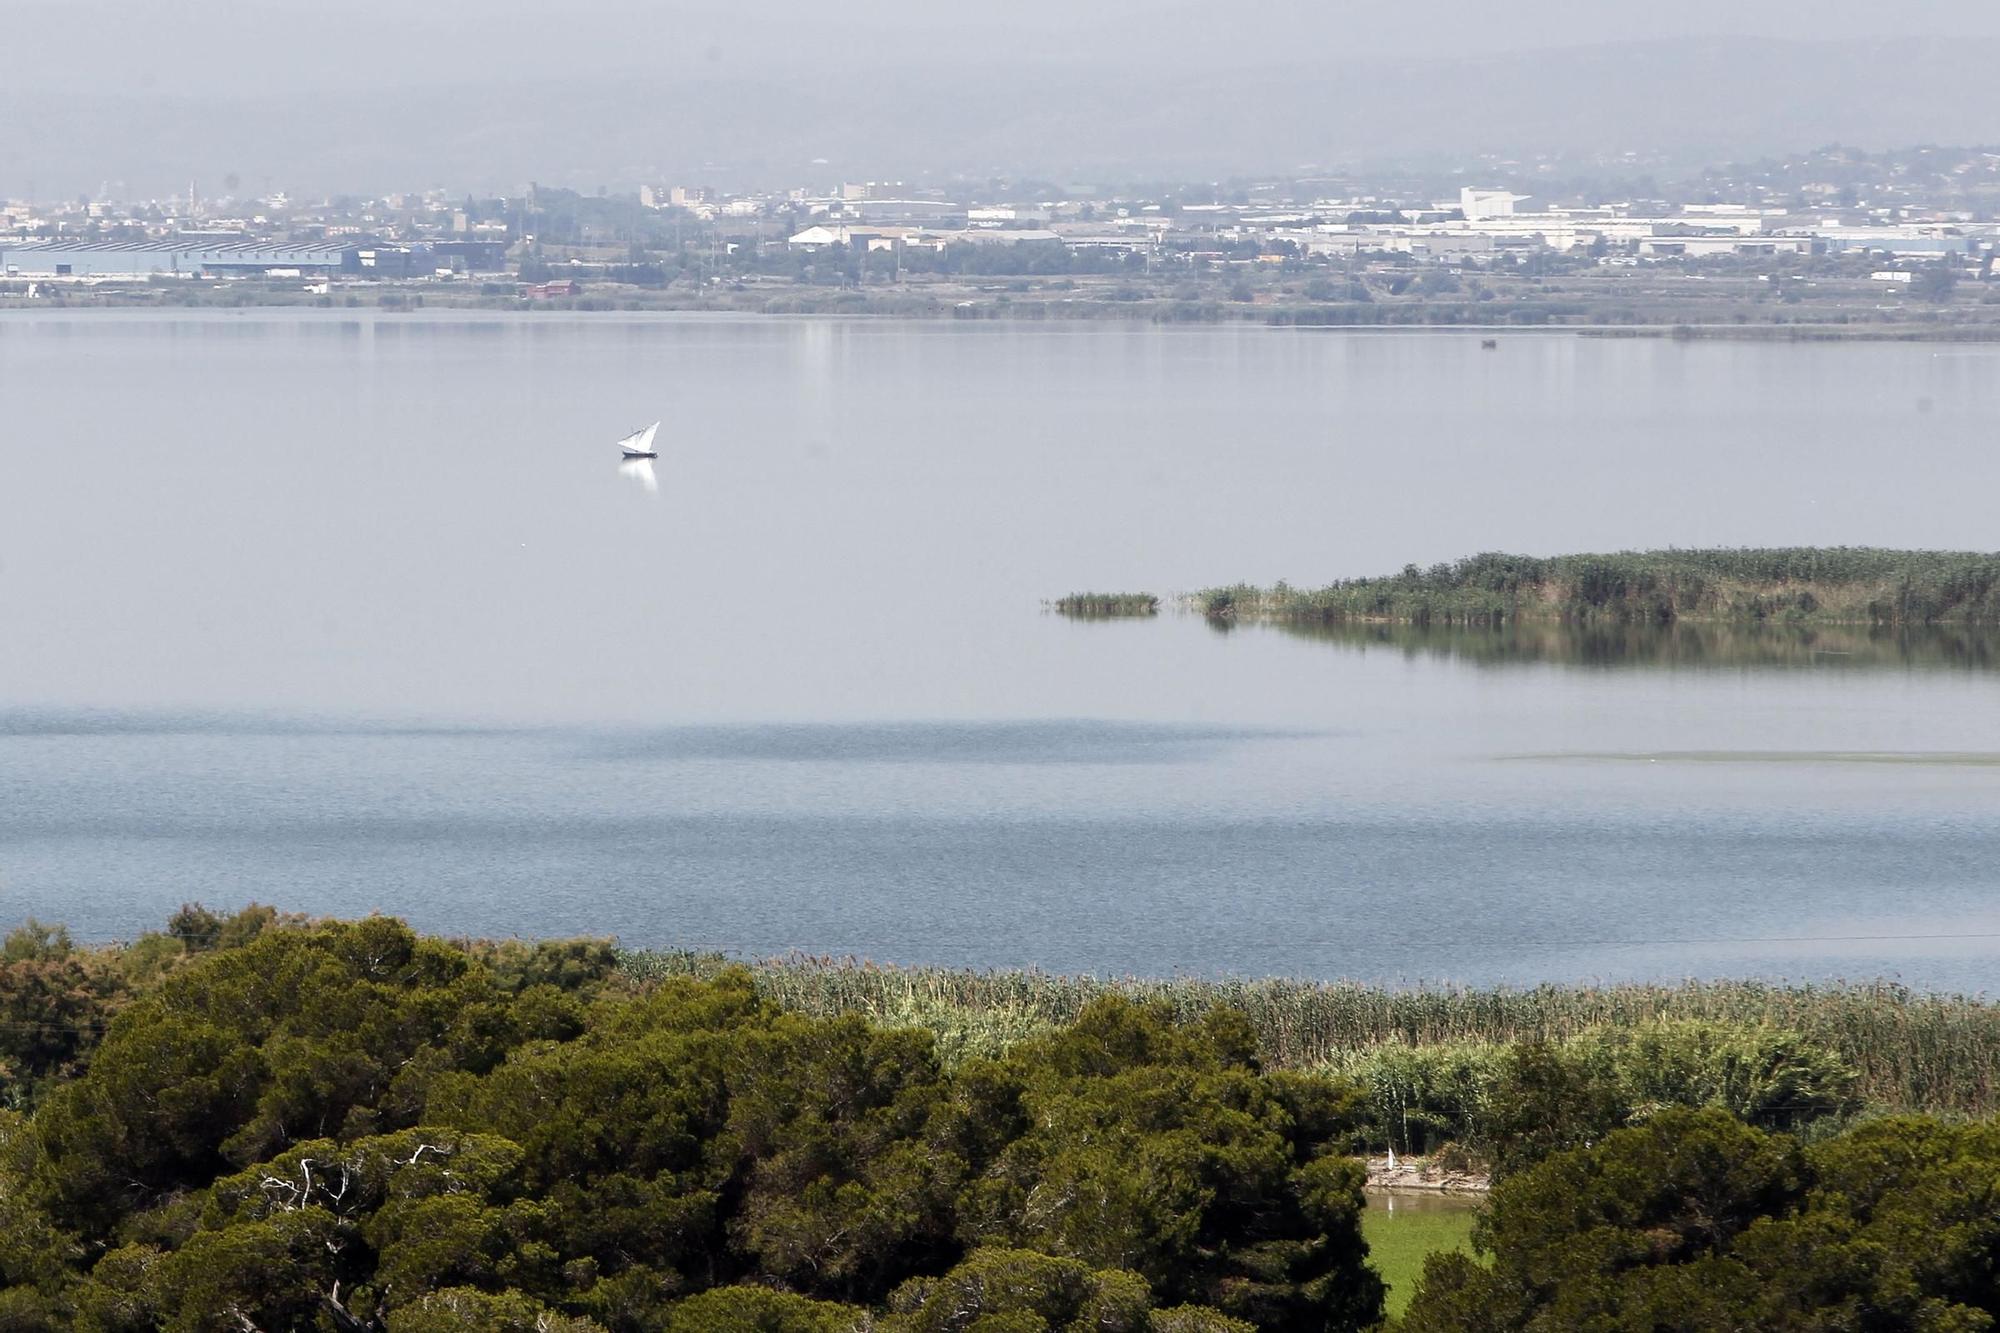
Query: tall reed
[1910, 1050]
[1106, 605]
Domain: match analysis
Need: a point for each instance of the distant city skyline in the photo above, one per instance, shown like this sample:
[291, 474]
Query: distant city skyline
[1927, 212]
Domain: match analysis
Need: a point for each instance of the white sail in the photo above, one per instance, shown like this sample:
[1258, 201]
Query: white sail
[640, 442]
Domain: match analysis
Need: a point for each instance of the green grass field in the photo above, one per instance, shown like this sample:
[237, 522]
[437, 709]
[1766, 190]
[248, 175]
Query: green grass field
[1405, 1229]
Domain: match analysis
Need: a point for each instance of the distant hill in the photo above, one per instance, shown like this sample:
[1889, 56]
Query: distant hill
[1675, 104]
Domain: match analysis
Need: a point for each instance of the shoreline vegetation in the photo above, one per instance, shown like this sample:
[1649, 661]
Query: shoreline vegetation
[264, 1121]
[1738, 318]
[1850, 585]
[1909, 1050]
[1802, 332]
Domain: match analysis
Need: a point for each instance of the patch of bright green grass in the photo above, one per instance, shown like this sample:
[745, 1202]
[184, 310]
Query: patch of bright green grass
[1405, 1230]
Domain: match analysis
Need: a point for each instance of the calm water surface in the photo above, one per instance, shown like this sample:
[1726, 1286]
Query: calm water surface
[352, 613]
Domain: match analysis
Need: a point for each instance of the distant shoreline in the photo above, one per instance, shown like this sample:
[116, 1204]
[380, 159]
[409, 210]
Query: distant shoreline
[1721, 320]
[1883, 332]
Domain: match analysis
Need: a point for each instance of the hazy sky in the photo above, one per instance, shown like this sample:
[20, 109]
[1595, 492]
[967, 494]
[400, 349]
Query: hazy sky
[144, 96]
[231, 46]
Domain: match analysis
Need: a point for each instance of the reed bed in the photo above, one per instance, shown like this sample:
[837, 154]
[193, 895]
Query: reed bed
[1107, 605]
[1827, 585]
[1911, 1051]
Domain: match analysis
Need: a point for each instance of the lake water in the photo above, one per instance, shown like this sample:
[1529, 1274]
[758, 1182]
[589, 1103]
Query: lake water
[346, 613]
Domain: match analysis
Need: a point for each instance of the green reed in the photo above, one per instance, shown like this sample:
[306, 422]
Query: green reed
[1106, 605]
[1910, 1050]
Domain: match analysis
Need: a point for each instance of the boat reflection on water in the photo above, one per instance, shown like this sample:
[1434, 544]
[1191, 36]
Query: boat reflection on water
[1680, 645]
[641, 471]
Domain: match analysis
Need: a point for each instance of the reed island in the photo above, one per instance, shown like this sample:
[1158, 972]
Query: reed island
[1842, 585]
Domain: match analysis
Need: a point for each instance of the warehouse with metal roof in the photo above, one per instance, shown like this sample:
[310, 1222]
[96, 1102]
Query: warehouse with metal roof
[88, 260]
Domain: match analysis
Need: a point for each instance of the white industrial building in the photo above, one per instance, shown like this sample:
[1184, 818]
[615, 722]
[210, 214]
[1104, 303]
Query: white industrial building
[1915, 242]
[898, 210]
[87, 261]
[1703, 247]
[888, 238]
[1002, 215]
[1480, 205]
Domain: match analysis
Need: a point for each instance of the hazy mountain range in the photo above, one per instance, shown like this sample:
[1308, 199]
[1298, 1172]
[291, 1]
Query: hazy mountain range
[1672, 104]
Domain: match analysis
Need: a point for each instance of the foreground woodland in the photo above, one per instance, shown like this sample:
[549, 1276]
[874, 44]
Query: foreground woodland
[263, 1123]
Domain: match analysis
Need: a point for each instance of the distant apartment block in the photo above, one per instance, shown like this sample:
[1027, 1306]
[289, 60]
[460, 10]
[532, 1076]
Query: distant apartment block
[676, 196]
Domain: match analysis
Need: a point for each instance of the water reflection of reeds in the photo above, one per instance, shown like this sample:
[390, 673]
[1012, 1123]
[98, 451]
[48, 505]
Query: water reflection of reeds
[1677, 645]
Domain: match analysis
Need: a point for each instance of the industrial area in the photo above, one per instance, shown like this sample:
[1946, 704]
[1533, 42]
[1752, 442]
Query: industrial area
[1874, 242]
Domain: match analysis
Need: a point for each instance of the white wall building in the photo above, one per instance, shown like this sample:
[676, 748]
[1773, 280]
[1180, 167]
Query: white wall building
[1479, 205]
[938, 240]
[1701, 247]
[1911, 241]
[1000, 215]
[900, 210]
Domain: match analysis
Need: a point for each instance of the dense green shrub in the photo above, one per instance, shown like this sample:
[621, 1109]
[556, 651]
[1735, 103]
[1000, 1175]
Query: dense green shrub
[1161, 1149]
[345, 1126]
[1523, 1100]
[56, 1000]
[258, 1122]
[1003, 1288]
[749, 1309]
[1695, 1220]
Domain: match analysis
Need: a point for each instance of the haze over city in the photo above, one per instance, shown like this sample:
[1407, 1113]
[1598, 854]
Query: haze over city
[377, 96]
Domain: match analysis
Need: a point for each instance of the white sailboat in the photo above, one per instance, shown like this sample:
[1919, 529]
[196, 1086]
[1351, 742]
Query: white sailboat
[639, 444]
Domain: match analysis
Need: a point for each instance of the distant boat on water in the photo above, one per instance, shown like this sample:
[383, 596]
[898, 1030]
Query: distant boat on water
[639, 444]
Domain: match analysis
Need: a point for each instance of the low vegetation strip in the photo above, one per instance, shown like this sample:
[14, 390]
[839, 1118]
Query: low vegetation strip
[1107, 605]
[1827, 585]
[1909, 1050]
